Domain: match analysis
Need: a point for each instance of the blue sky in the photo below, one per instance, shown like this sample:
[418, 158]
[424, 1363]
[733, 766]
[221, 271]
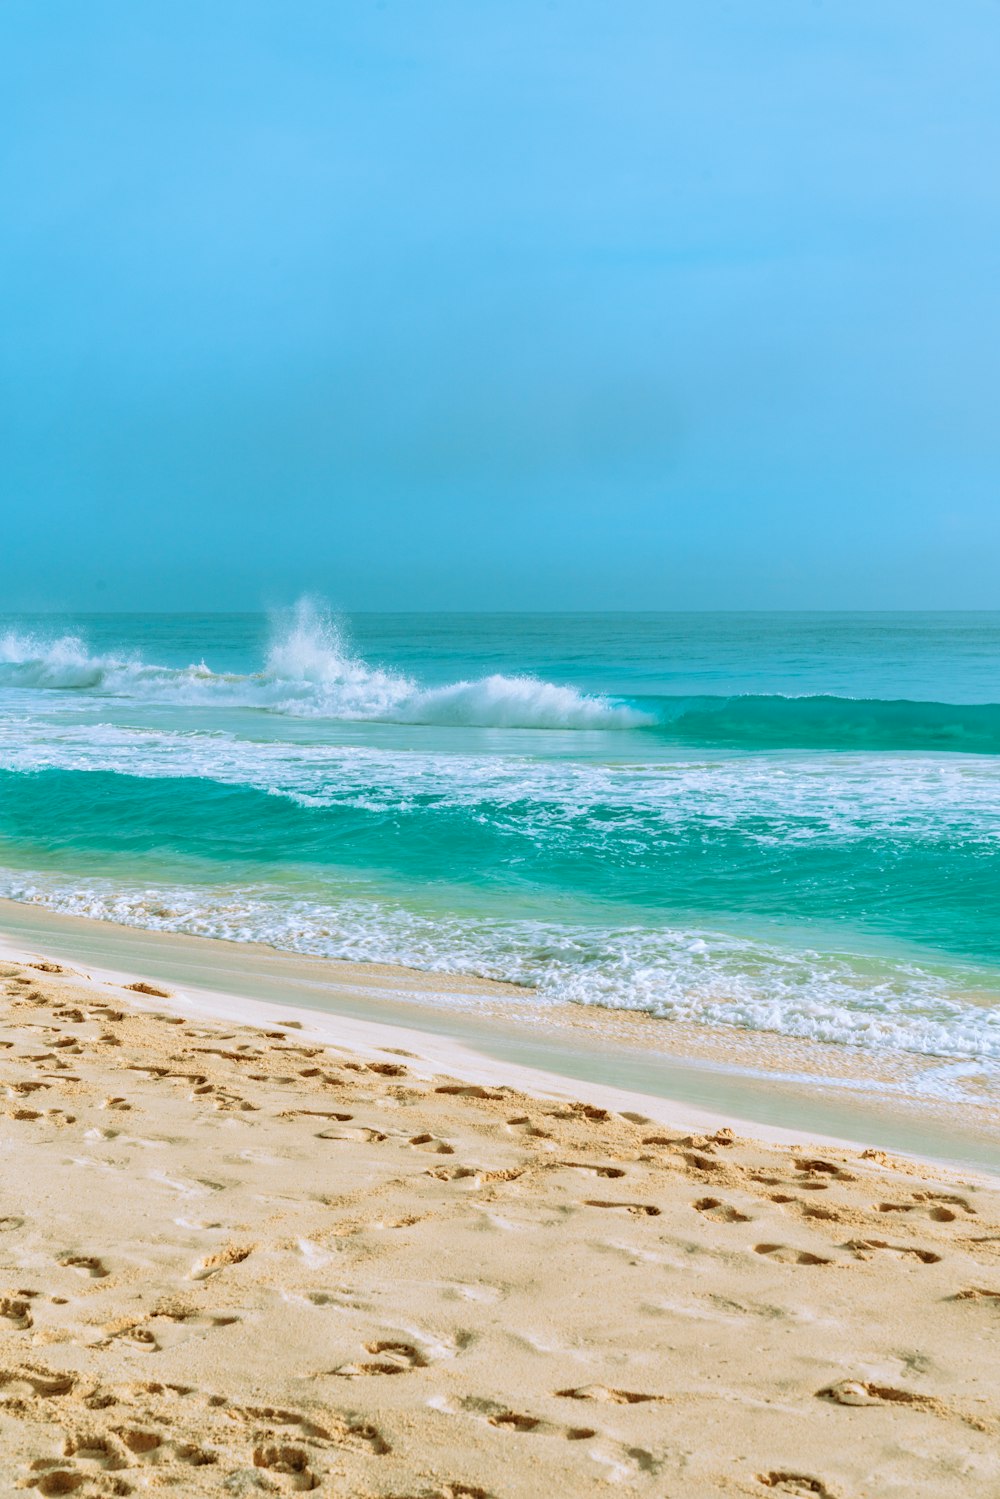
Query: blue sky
[499, 303]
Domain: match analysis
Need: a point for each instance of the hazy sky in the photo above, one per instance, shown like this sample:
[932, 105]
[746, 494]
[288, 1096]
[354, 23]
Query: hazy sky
[500, 303]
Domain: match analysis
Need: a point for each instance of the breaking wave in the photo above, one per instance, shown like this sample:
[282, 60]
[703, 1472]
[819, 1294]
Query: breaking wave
[310, 672]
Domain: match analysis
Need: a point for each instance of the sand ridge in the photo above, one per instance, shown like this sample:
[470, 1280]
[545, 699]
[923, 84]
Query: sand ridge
[234, 1261]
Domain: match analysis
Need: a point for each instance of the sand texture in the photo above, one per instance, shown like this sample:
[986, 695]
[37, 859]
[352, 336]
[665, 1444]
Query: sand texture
[233, 1261]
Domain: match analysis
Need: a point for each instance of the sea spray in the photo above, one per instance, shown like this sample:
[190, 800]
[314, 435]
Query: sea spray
[310, 672]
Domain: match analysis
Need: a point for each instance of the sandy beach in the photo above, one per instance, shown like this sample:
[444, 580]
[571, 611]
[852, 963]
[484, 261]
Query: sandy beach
[244, 1258]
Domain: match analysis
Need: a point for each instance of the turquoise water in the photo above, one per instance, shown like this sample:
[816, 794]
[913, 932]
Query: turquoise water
[782, 822]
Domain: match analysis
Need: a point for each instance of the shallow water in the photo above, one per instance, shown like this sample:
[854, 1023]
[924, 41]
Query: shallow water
[781, 822]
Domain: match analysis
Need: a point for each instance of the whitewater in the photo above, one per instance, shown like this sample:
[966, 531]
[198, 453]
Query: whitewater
[309, 672]
[776, 823]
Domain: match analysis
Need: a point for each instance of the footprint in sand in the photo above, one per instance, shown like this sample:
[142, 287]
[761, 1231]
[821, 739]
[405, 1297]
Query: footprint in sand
[586, 1112]
[858, 1392]
[139, 1337]
[937, 1212]
[637, 1209]
[316, 1114]
[815, 1166]
[16, 1311]
[390, 1358]
[785, 1254]
[622, 1460]
[951, 1198]
[823, 1214]
[432, 1144]
[800, 1485]
[613, 1173]
[290, 1461]
[357, 1435]
[356, 1134]
[515, 1421]
[213, 1263]
[86, 1264]
[863, 1249]
[708, 1164]
[721, 1212]
[605, 1395]
[197, 1457]
[470, 1090]
[452, 1173]
[60, 1481]
[105, 1452]
[503, 1419]
[524, 1126]
[140, 1442]
[33, 1379]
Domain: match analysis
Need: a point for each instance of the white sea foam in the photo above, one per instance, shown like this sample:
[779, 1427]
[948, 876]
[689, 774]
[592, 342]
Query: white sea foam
[701, 976]
[310, 672]
[793, 802]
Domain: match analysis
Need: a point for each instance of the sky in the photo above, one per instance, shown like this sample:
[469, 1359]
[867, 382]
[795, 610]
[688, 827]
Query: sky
[420, 304]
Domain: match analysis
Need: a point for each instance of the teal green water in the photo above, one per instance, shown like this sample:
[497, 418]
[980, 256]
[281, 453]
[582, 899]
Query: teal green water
[781, 822]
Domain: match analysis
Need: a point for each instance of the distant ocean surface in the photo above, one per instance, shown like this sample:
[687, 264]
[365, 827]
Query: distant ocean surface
[786, 823]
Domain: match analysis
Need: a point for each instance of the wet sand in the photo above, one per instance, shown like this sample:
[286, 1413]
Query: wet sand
[922, 1105]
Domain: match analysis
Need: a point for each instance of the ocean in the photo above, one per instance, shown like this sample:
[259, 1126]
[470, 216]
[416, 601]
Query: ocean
[785, 823]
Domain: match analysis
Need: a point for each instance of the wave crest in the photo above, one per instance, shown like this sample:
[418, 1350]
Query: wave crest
[61, 663]
[310, 672]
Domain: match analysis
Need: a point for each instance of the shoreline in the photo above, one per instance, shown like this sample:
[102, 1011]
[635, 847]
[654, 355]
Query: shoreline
[250, 1248]
[775, 1088]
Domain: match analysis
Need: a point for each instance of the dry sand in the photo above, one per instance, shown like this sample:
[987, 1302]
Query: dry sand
[239, 1260]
